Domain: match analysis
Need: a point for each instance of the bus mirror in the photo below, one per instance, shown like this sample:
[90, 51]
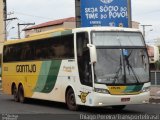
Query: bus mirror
[93, 53]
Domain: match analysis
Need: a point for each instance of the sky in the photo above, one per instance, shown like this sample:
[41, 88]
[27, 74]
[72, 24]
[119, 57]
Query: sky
[38, 11]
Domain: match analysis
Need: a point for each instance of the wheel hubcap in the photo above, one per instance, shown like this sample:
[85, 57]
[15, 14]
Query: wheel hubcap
[72, 99]
[15, 94]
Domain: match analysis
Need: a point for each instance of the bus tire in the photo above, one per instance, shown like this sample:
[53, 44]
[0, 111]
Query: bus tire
[119, 107]
[70, 100]
[15, 93]
[21, 94]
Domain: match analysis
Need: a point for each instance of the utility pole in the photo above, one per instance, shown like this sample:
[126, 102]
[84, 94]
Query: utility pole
[8, 19]
[129, 14]
[19, 33]
[77, 13]
[5, 17]
[144, 30]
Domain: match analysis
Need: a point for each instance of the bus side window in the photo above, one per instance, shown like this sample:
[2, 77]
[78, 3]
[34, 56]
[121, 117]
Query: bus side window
[5, 51]
[10, 53]
[27, 52]
[83, 58]
[37, 52]
[41, 49]
[68, 44]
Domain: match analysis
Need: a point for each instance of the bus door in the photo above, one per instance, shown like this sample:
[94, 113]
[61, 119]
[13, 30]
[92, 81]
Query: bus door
[84, 67]
[83, 58]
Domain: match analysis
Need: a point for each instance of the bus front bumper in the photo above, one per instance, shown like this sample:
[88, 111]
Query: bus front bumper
[110, 100]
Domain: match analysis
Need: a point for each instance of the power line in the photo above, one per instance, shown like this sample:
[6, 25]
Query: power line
[151, 12]
[25, 14]
[9, 19]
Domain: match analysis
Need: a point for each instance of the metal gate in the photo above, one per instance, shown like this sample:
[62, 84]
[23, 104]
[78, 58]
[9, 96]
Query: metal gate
[155, 77]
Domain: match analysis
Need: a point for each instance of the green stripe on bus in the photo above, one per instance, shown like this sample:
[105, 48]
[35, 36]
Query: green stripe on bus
[42, 78]
[138, 88]
[66, 32]
[56, 34]
[130, 88]
[52, 76]
[133, 88]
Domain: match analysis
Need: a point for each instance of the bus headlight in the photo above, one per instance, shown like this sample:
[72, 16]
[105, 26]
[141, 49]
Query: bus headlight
[145, 89]
[100, 90]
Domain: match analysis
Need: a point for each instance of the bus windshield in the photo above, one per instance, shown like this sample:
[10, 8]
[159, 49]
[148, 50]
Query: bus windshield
[117, 39]
[124, 62]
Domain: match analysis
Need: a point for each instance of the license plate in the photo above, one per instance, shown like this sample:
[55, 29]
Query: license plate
[125, 99]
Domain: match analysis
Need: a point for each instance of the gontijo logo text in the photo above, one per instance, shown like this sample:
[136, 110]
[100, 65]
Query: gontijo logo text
[106, 1]
[26, 68]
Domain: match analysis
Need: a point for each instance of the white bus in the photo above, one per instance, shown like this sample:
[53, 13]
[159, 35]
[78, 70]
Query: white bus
[153, 52]
[96, 66]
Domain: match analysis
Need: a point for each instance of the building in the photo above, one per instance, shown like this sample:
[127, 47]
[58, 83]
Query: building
[2, 26]
[157, 42]
[135, 24]
[61, 23]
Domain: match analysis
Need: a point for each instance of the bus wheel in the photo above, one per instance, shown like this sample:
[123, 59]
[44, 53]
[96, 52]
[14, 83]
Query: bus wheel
[21, 94]
[119, 107]
[15, 94]
[70, 100]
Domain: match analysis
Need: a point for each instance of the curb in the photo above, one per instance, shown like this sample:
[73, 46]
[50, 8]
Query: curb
[155, 97]
[154, 100]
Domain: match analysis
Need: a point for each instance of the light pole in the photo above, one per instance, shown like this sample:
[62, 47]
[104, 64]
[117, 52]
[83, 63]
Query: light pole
[144, 30]
[19, 33]
[9, 31]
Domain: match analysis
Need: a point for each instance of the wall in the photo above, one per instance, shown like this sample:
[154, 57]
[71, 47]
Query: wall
[135, 24]
[43, 29]
[69, 25]
[2, 33]
[1, 22]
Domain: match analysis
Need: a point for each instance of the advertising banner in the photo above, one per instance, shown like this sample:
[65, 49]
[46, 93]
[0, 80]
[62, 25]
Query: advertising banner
[104, 13]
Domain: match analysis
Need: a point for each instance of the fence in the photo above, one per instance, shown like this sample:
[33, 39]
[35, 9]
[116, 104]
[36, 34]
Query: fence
[155, 77]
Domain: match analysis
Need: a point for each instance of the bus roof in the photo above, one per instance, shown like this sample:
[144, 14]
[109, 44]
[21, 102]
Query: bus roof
[64, 31]
[106, 29]
[47, 34]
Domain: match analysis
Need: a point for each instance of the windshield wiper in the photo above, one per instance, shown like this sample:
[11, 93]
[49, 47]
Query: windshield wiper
[116, 77]
[126, 58]
[129, 67]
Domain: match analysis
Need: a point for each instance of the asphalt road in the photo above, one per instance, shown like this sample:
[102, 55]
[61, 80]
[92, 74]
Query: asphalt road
[40, 110]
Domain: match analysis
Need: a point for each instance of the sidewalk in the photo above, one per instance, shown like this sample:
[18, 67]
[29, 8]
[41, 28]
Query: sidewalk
[155, 94]
[0, 85]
